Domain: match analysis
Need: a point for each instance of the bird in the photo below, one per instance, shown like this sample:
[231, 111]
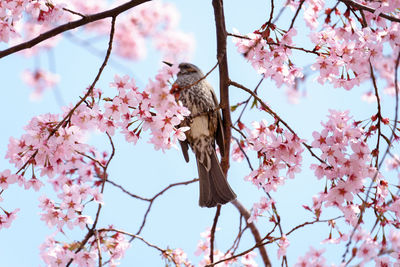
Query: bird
[206, 128]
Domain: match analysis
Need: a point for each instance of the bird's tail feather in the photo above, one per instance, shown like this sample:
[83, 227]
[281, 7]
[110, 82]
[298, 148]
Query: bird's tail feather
[214, 188]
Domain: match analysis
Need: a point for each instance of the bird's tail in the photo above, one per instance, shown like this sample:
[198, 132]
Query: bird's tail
[214, 188]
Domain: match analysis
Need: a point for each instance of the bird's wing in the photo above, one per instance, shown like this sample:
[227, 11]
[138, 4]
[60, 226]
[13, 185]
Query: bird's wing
[220, 128]
[185, 147]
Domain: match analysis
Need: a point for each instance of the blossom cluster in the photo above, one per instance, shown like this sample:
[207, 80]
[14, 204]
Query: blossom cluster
[154, 108]
[349, 54]
[157, 22]
[178, 257]
[112, 245]
[276, 150]
[56, 146]
[366, 249]
[12, 13]
[270, 57]
[346, 165]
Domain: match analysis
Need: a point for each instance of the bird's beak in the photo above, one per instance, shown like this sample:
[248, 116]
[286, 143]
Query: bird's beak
[167, 63]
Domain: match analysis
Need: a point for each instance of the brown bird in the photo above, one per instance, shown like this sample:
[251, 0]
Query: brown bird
[205, 124]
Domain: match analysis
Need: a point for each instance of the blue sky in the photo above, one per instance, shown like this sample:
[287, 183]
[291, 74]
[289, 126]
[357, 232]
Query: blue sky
[175, 220]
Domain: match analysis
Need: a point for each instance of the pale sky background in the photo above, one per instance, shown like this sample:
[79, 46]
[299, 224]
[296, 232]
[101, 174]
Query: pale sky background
[176, 220]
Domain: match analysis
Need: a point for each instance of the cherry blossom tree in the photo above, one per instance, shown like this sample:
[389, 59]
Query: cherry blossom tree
[351, 161]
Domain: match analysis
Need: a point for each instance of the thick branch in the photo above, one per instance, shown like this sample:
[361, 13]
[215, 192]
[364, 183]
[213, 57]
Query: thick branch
[223, 78]
[72, 25]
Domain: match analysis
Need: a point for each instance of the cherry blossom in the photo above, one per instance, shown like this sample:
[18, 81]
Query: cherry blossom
[270, 57]
[283, 244]
[39, 80]
[277, 151]
[346, 47]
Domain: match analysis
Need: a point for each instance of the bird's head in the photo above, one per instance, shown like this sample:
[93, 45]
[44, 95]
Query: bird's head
[187, 68]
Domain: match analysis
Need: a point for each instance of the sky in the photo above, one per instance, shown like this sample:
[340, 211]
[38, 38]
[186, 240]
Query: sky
[176, 220]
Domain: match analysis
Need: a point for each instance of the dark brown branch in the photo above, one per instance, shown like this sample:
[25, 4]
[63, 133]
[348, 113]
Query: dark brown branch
[248, 99]
[369, 9]
[213, 228]
[276, 116]
[72, 25]
[91, 230]
[127, 192]
[295, 15]
[74, 12]
[378, 101]
[156, 196]
[278, 44]
[244, 153]
[164, 252]
[254, 231]
[269, 241]
[223, 78]
[271, 14]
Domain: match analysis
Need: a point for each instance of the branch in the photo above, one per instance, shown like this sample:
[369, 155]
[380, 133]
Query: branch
[156, 196]
[164, 252]
[297, 13]
[387, 151]
[276, 116]
[223, 78]
[269, 241]
[278, 44]
[127, 192]
[72, 25]
[91, 230]
[254, 230]
[369, 9]
[213, 228]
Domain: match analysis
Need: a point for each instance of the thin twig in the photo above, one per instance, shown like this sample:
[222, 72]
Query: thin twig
[127, 192]
[91, 230]
[213, 228]
[295, 15]
[276, 116]
[74, 12]
[164, 252]
[156, 196]
[369, 9]
[254, 231]
[278, 44]
[98, 247]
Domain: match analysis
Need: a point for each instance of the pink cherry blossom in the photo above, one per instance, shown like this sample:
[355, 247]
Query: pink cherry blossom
[39, 80]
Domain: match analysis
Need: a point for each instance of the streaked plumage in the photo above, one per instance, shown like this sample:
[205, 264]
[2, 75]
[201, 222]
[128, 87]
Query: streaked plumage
[205, 129]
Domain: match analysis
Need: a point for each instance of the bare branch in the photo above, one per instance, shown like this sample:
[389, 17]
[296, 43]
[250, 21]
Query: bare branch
[223, 78]
[72, 25]
[369, 9]
[164, 252]
[213, 228]
[255, 232]
[295, 15]
[156, 196]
